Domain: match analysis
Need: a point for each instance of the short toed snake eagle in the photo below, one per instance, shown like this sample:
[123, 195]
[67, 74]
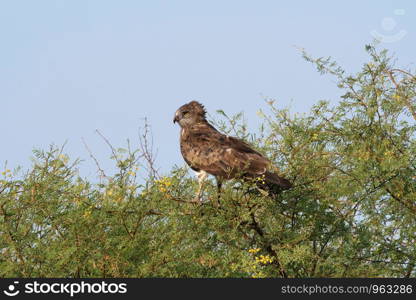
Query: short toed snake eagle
[207, 151]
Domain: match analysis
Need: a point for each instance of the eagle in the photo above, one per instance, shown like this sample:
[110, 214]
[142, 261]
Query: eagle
[208, 151]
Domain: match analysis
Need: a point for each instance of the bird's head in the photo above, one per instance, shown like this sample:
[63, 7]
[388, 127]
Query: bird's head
[189, 114]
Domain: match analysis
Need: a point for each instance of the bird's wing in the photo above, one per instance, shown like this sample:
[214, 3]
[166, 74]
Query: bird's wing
[203, 147]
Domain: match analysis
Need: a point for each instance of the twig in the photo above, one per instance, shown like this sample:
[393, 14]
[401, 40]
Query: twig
[109, 144]
[146, 146]
[95, 160]
[408, 104]
[404, 72]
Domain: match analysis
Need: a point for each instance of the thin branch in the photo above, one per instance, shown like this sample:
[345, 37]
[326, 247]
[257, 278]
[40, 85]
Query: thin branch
[404, 72]
[408, 104]
[109, 144]
[94, 159]
[146, 146]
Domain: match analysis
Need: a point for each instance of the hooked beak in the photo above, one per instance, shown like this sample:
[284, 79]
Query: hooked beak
[176, 118]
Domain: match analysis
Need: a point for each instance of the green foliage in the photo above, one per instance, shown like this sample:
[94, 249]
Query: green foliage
[351, 212]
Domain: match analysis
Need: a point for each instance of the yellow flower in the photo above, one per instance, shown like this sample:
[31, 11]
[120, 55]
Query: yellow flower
[259, 275]
[63, 158]
[261, 179]
[164, 183]
[388, 153]
[396, 97]
[264, 259]
[87, 214]
[254, 251]
[163, 190]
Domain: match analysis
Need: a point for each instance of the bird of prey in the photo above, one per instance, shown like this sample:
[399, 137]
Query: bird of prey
[207, 151]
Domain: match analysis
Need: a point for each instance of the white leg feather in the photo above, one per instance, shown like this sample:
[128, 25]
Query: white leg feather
[202, 175]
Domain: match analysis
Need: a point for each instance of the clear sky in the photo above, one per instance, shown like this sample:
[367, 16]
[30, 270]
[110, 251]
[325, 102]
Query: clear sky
[70, 67]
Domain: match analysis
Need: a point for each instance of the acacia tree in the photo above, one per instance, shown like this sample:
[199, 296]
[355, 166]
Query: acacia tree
[351, 212]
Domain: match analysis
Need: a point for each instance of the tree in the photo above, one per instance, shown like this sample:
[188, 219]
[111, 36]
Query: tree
[351, 212]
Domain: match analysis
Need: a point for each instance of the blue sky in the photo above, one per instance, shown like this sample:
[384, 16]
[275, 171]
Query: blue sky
[68, 68]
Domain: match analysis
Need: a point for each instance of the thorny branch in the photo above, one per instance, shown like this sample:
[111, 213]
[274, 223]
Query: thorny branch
[95, 160]
[146, 147]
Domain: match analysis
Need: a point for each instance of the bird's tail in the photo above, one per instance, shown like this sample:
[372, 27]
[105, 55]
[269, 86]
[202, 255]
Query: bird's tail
[274, 184]
[273, 178]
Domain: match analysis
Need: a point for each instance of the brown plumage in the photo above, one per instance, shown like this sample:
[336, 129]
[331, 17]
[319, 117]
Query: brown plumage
[207, 151]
